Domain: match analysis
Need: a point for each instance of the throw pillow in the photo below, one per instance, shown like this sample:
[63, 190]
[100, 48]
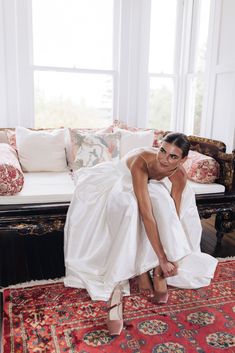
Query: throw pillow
[131, 140]
[96, 148]
[11, 136]
[201, 168]
[11, 176]
[158, 134]
[123, 125]
[3, 137]
[41, 151]
[72, 140]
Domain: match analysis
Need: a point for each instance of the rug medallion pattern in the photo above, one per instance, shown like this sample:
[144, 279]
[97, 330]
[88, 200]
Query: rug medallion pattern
[54, 319]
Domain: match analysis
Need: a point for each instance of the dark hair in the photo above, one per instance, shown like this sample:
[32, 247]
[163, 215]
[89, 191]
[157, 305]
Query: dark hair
[179, 140]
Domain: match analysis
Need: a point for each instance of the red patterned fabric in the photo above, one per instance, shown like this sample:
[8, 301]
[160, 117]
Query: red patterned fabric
[52, 318]
[11, 175]
[201, 168]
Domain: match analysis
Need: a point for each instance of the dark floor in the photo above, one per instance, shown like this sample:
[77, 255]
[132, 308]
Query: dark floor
[208, 242]
[208, 245]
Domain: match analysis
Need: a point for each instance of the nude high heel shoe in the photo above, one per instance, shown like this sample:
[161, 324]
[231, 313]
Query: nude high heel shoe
[115, 318]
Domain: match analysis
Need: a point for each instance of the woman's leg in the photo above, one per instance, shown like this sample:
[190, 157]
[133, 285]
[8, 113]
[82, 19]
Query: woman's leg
[160, 286]
[145, 283]
[171, 234]
[180, 236]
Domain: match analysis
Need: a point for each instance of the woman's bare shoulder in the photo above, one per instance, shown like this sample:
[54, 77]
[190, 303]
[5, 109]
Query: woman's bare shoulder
[140, 156]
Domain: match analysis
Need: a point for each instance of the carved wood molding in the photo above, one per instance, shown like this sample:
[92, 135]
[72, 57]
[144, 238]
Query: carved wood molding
[41, 227]
[38, 229]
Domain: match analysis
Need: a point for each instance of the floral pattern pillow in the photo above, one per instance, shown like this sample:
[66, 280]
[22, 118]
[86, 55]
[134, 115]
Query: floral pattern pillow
[11, 175]
[72, 140]
[201, 168]
[95, 148]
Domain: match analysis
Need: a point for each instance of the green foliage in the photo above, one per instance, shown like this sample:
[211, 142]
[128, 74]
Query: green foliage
[160, 108]
[58, 112]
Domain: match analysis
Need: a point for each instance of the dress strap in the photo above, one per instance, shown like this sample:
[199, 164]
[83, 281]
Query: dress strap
[134, 159]
[140, 155]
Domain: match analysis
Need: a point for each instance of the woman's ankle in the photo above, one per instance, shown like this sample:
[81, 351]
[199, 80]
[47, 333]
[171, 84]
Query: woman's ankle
[145, 283]
[157, 272]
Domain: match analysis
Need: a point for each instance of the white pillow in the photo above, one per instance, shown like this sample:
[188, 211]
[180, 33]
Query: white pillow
[41, 151]
[131, 140]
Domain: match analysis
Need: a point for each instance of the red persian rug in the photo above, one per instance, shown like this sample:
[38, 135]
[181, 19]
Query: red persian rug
[52, 318]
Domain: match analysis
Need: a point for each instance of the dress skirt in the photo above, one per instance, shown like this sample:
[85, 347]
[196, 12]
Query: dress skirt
[105, 241]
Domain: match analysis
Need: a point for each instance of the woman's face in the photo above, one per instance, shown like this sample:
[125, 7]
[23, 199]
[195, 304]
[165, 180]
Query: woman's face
[170, 156]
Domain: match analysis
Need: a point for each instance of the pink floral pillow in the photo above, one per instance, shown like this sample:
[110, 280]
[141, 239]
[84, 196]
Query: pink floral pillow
[11, 176]
[201, 168]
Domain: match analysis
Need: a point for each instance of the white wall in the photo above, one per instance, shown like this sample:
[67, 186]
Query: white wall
[219, 118]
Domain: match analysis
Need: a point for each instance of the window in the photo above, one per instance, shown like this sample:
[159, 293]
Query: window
[83, 63]
[162, 63]
[73, 62]
[197, 78]
[178, 43]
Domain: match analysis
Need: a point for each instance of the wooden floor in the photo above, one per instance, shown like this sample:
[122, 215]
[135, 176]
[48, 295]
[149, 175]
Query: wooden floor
[208, 242]
[208, 245]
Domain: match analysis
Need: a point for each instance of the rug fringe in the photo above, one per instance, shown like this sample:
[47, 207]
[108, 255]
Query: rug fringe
[33, 283]
[222, 259]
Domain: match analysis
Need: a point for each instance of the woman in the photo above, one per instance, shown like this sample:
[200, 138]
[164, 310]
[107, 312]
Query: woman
[129, 217]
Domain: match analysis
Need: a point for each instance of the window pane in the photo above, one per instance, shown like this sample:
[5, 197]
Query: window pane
[73, 33]
[197, 100]
[162, 36]
[202, 35]
[73, 100]
[161, 93]
[198, 81]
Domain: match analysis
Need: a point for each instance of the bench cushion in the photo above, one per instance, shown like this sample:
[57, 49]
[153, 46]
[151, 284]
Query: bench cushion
[47, 187]
[212, 188]
[43, 187]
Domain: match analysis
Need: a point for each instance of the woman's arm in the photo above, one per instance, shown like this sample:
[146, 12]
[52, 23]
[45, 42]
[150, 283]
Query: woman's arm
[140, 185]
[178, 180]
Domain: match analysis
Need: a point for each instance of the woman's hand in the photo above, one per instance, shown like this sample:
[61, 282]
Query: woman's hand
[169, 269]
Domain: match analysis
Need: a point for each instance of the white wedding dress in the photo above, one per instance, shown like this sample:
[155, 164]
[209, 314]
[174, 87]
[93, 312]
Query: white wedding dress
[105, 241]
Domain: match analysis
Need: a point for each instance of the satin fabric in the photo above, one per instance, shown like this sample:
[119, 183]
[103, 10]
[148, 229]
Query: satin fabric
[105, 241]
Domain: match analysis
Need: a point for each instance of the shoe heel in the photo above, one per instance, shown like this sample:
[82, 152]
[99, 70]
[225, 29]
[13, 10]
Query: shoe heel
[115, 317]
